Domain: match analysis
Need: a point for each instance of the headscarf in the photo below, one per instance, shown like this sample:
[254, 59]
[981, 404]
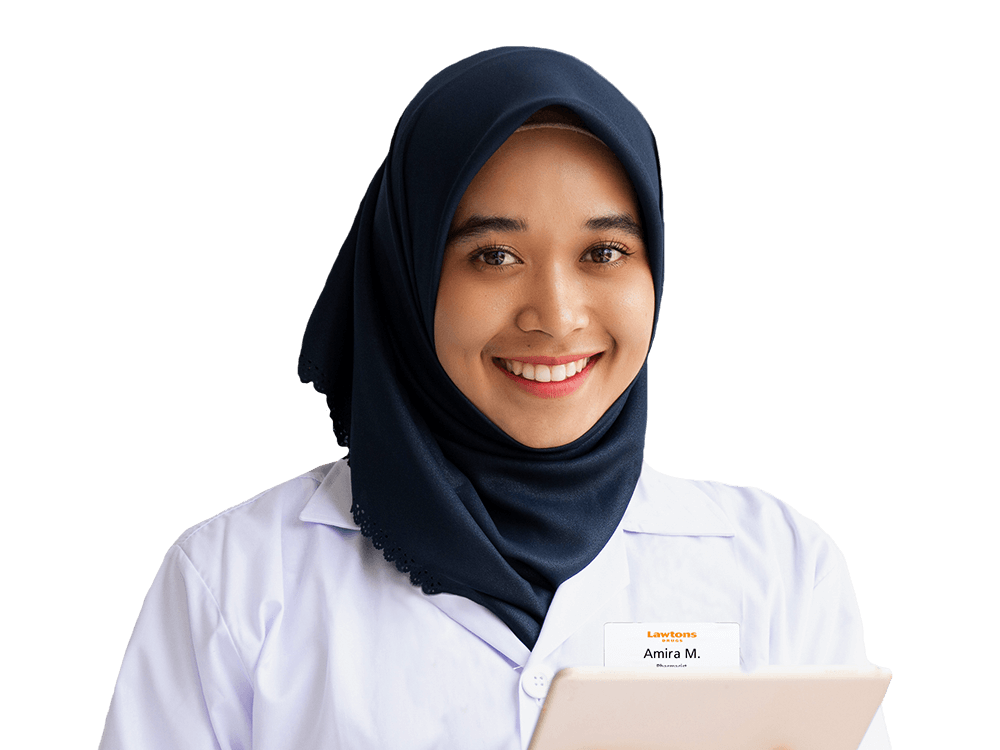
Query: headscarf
[446, 495]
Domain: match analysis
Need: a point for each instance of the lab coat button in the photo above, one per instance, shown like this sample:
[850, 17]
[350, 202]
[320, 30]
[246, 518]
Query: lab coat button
[536, 682]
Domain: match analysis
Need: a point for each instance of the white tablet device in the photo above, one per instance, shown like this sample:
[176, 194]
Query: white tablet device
[810, 708]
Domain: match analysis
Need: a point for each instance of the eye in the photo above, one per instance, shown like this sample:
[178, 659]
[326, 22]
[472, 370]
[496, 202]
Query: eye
[605, 253]
[494, 256]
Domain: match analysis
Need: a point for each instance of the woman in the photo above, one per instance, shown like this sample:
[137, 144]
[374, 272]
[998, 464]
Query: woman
[481, 340]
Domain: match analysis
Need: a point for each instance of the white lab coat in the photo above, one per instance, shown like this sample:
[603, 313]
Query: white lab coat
[276, 625]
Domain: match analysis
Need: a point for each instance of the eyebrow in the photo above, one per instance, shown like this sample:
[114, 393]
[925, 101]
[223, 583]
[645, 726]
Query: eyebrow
[621, 222]
[477, 225]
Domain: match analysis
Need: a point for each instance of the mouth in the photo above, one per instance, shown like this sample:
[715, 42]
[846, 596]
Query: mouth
[545, 372]
[549, 377]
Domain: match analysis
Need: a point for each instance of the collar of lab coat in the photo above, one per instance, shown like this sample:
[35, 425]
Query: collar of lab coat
[661, 505]
[673, 507]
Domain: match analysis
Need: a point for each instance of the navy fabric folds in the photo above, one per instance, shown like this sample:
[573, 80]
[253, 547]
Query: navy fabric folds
[445, 494]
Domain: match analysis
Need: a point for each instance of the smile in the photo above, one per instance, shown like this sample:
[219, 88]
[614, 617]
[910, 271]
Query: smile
[548, 377]
[545, 373]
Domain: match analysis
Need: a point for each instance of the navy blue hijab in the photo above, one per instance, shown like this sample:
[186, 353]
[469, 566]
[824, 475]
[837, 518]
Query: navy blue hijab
[446, 495]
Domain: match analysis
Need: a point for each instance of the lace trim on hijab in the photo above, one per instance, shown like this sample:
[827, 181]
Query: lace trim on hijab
[419, 575]
[312, 374]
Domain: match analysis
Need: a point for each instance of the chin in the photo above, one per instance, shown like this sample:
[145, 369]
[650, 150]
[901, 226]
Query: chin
[549, 438]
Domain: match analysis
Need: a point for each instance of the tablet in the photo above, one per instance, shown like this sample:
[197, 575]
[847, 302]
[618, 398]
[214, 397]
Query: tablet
[813, 708]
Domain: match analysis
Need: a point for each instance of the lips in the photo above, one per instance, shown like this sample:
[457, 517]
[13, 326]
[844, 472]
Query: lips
[545, 373]
[548, 377]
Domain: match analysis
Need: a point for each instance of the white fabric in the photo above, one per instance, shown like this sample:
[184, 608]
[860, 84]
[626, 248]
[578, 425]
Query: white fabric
[276, 625]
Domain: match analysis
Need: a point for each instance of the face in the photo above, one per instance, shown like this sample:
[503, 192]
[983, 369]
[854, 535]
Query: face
[545, 305]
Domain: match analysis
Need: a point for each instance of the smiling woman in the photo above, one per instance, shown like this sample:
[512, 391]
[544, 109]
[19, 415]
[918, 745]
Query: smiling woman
[482, 342]
[546, 302]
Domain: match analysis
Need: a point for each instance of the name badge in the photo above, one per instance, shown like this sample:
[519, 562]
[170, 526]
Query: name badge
[677, 645]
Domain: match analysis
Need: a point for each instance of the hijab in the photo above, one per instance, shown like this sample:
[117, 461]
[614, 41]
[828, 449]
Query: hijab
[452, 500]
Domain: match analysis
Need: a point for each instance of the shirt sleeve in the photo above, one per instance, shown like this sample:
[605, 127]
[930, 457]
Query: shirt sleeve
[182, 683]
[834, 634]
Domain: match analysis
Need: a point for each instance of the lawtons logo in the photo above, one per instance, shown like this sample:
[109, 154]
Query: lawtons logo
[673, 635]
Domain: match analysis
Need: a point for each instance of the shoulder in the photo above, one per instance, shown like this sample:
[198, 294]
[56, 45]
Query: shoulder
[258, 518]
[767, 532]
[249, 564]
[250, 549]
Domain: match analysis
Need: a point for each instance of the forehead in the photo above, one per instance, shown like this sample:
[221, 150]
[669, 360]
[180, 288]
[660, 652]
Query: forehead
[538, 166]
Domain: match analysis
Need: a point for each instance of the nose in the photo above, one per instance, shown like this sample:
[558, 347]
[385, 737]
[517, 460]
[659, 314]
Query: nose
[554, 303]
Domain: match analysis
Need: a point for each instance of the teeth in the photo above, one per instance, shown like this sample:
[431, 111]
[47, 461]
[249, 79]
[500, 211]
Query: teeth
[545, 373]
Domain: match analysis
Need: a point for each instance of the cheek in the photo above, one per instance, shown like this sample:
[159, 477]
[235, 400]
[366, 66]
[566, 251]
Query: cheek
[633, 318]
[465, 320]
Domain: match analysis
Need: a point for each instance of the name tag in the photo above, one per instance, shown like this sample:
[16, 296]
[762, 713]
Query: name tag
[666, 645]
